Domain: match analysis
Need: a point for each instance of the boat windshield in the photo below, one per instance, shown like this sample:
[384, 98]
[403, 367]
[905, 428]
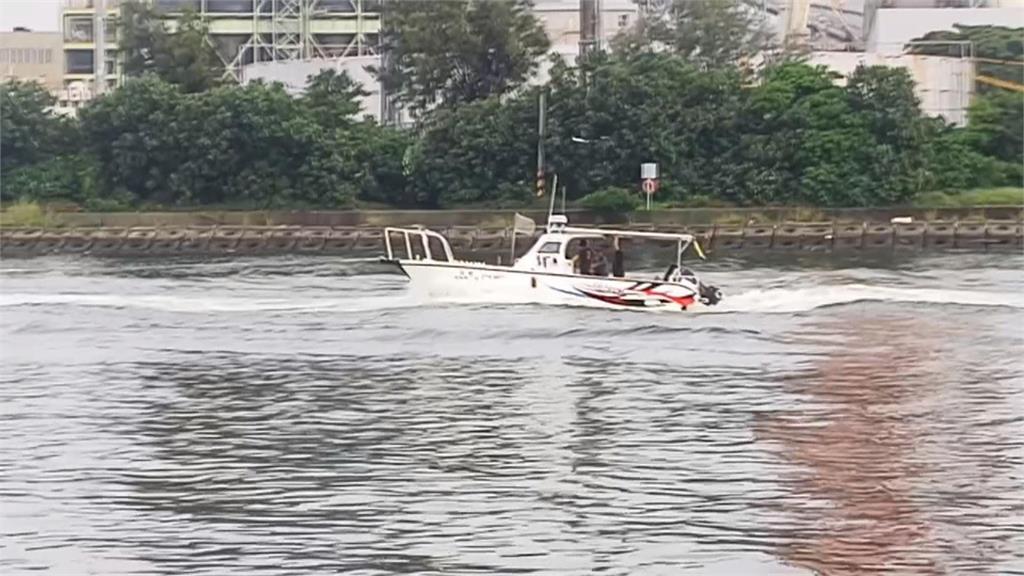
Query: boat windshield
[550, 248]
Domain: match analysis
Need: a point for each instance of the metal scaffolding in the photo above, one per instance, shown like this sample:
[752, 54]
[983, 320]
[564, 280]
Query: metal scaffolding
[246, 31]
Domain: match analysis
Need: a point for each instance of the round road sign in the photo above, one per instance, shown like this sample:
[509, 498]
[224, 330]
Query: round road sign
[650, 186]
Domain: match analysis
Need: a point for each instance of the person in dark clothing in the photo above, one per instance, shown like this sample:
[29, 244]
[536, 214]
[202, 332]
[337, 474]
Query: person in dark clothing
[618, 260]
[584, 255]
[599, 266]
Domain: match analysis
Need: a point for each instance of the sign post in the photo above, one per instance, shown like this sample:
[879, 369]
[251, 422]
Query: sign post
[649, 180]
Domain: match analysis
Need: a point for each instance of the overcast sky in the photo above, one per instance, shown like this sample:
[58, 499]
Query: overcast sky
[39, 15]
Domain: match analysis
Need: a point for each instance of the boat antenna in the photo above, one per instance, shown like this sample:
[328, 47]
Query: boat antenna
[563, 198]
[554, 194]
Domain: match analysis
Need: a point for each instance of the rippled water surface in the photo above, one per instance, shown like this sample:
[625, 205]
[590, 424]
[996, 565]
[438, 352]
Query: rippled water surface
[309, 416]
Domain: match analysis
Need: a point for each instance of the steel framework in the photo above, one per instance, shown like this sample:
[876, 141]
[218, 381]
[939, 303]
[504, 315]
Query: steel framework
[247, 31]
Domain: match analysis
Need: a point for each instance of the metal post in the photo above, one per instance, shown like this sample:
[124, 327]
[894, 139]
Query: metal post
[99, 56]
[554, 194]
[542, 103]
[512, 257]
[256, 31]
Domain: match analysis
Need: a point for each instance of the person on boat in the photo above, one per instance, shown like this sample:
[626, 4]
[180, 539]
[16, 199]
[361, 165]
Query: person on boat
[599, 266]
[618, 260]
[581, 261]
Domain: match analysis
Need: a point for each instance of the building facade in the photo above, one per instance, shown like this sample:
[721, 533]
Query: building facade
[32, 56]
[563, 21]
[243, 32]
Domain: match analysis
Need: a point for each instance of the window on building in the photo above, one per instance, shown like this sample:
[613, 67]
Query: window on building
[79, 62]
[623, 20]
[338, 5]
[229, 6]
[48, 56]
[179, 5]
[5, 55]
[78, 29]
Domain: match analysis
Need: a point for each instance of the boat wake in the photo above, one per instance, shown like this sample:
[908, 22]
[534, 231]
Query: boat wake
[200, 304]
[788, 300]
[776, 299]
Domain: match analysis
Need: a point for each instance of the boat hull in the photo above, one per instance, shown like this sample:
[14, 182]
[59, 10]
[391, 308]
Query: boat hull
[486, 283]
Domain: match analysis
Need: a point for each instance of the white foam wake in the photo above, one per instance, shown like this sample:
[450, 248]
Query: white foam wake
[205, 304]
[805, 299]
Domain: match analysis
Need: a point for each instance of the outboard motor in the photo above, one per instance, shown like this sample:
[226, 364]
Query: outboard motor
[709, 295]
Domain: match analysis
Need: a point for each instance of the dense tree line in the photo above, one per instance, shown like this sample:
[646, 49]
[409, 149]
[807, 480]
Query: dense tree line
[790, 134]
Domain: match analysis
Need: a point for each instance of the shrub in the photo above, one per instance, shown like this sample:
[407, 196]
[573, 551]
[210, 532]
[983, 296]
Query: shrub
[24, 214]
[611, 200]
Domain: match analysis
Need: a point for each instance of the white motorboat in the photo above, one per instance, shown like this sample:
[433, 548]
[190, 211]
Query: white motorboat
[549, 273]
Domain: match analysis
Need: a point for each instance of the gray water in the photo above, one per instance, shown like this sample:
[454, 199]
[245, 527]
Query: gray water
[309, 416]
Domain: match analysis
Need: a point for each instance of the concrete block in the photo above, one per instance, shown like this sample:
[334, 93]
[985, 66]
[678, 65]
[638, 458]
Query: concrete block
[816, 236]
[758, 237]
[878, 236]
[726, 237]
[1003, 235]
[909, 235]
[940, 235]
[971, 234]
[848, 236]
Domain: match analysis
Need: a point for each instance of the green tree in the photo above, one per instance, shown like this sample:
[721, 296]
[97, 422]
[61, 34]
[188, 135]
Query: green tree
[71, 178]
[954, 163]
[807, 140]
[334, 98]
[136, 136]
[883, 98]
[180, 54]
[458, 51]
[476, 152]
[614, 112]
[716, 33]
[251, 146]
[708, 33]
[372, 152]
[30, 131]
[995, 125]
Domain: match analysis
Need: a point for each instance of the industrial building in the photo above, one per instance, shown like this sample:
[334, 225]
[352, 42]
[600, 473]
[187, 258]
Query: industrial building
[32, 56]
[243, 32]
[563, 20]
[288, 40]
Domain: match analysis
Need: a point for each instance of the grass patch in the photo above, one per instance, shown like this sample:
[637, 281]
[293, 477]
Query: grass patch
[1005, 196]
[24, 215]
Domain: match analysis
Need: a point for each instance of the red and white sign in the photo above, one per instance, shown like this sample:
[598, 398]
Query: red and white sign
[649, 186]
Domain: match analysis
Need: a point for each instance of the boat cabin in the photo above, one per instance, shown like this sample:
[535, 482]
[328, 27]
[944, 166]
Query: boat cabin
[552, 252]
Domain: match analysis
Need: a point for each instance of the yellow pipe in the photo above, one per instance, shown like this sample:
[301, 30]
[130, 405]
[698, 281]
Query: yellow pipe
[1000, 83]
[994, 61]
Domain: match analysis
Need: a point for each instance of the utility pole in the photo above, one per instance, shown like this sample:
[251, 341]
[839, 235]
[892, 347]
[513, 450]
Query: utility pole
[99, 56]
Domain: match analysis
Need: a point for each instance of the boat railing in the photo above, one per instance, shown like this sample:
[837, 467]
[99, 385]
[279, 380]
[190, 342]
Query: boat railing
[416, 235]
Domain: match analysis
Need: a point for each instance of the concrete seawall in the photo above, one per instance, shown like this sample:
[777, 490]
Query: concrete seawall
[978, 235]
